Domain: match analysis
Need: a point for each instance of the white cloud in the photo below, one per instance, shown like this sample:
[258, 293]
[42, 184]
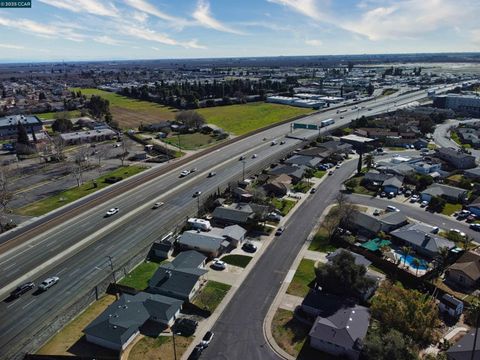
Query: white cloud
[95, 7]
[148, 8]
[10, 46]
[104, 39]
[314, 42]
[305, 7]
[204, 17]
[151, 35]
[140, 16]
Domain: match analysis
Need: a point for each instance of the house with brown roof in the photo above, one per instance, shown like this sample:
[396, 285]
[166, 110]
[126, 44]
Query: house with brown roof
[278, 185]
[466, 271]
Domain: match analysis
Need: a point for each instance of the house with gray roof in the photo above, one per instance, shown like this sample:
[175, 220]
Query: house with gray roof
[393, 184]
[420, 239]
[456, 158]
[462, 350]
[449, 193]
[359, 259]
[341, 332]
[473, 173]
[295, 172]
[121, 322]
[465, 272]
[180, 278]
[372, 225]
[214, 242]
[238, 213]
[310, 161]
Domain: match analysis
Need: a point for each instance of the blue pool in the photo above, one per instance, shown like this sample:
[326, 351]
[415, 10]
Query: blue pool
[409, 262]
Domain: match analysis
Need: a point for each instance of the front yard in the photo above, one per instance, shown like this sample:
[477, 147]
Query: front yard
[302, 279]
[237, 260]
[283, 205]
[321, 242]
[302, 186]
[211, 295]
[289, 333]
[449, 208]
[148, 348]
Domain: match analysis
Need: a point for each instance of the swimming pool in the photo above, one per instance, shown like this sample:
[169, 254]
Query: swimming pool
[409, 262]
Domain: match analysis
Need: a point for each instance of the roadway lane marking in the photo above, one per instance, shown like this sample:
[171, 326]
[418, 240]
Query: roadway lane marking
[290, 275]
[74, 272]
[96, 267]
[13, 303]
[59, 272]
[29, 303]
[9, 266]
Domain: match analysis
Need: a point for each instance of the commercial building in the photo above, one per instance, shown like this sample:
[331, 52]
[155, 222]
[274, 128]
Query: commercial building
[296, 101]
[88, 136]
[9, 125]
[464, 103]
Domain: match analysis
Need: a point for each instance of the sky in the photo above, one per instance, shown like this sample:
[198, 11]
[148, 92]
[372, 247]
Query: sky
[69, 30]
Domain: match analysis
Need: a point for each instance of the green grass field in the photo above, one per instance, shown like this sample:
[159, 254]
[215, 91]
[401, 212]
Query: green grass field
[51, 115]
[449, 209]
[67, 196]
[289, 333]
[237, 260]
[241, 119]
[211, 295]
[138, 277]
[319, 173]
[283, 205]
[304, 275]
[191, 141]
[321, 243]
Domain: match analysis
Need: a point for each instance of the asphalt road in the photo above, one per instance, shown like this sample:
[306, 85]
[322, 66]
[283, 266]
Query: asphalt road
[239, 330]
[441, 135]
[76, 250]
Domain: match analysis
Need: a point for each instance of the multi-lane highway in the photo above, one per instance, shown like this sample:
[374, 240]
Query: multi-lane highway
[76, 250]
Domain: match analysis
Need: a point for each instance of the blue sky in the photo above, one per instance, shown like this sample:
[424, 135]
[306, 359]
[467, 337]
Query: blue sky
[159, 29]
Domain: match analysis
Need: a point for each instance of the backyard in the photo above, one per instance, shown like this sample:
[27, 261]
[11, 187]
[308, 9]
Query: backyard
[67, 196]
[304, 275]
[138, 277]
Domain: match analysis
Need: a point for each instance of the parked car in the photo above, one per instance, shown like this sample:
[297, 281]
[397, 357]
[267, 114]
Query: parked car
[414, 198]
[48, 283]
[312, 191]
[391, 195]
[212, 174]
[383, 194]
[112, 211]
[435, 230]
[22, 289]
[184, 173]
[218, 264]
[207, 339]
[407, 193]
[424, 204]
[471, 218]
[196, 352]
[377, 212]
[273, 216]
[185, 326]
[249, 247]
[330, 172]
[461, 233]
[197, 194]
[391, 208]
[157, 205]
[280, 231]
[463, 214]
[475, 227]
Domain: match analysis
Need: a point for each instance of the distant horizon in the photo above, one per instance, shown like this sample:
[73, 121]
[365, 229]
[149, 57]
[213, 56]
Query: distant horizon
[366, 55]
[90, 30]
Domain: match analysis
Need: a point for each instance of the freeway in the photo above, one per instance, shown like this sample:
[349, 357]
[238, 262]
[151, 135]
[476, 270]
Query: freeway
[76, 250]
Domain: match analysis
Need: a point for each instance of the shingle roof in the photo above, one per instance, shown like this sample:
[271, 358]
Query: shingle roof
[462, 350]
[469, 264]
[440, 189]
[236, 213]
[420, 236]
[394, 181]
[359, 259]
[208, 241]
[303, 160]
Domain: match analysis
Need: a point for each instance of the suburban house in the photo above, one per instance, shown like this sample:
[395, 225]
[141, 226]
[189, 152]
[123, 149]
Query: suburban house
[180, 278]
[462, 350]
[472, 173]
[393, 184]
[465, 272]
[389, 183]
[451, 306]
[121, 322]
[295, 172]
[359, 259]
[214, 242]
[340, 332]
[239, 213]
[298, 160]
[163, 248]
[421, 240]
[449, 193]
[474, 206]
[456, 158]
[372, 225]
[278, 185]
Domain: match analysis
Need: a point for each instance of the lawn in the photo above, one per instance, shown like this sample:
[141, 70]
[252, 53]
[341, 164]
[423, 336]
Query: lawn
[321, 242]
[67, 196]
[191, 141]
[319, 173]
[449, 208]
[304, 275]
[130, 113]
[72, 332]
[161, 348]
[241, 119]
[211, 295]
[283, 205]
[237, 260]
[302, 186]
[138, 277]
[289, 334]
[396, 148]
[387, 92]
[51, 115]
[454, 136]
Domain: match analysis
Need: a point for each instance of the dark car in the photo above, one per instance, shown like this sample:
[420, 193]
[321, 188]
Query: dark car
[186, 327]
[22, 289]
[197, 351]
[312, 191]
[279, 231]
[207, 339]
[249, 247]
[475, 227]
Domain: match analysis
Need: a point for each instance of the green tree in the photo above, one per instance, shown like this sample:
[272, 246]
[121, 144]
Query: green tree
[423, 181]
[309, 173]
[408, 311]
[416, 263]
[437, 204]
[369, 160]
[62, 125]
[391, 345]
[406, 250]
[22, 136]
[343, 277]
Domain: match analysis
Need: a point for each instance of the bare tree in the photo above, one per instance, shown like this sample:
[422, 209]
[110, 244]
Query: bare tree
[102, 152]
[123, 147]
[58, 147]
[6, 194]
[79, 164]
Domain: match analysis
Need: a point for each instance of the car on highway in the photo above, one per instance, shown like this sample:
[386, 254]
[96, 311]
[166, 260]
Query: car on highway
[157, 205]
[22, 289]
[212, 174]
[184, 173]
[475, 227]
[243, 157]
[274, 142]
[218, 264]
[280, 231]
[283, 142]
[461, 233]
[207, 339]
[254, 156]
[48, 283]
[391, 208]
[197, 194]
[249, 247]
[112, 211]
[435, 230]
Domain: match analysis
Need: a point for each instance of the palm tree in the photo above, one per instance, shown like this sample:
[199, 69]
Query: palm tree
[416, 263]
[443, 253]
[369, 160]
[407, 250]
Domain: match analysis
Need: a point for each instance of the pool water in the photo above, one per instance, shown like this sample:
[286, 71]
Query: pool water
[409, 262]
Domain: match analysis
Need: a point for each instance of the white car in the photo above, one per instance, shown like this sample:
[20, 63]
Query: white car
[274, 142]
[254, 156]
[461, 233]
[424, 204]
[112, 211]
[197, 194]
[157, 205]
[391, 208]
[218, 264]
[414, 198]
[184, 173]
[48, 283]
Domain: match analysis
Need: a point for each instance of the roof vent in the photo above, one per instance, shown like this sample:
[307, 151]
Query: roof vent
[114, 326]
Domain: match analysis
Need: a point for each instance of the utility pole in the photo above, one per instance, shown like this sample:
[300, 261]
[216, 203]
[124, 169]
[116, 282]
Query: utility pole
[198, 205]
[243, 172]
[111, 267]
[174, 347]
[476, 308]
